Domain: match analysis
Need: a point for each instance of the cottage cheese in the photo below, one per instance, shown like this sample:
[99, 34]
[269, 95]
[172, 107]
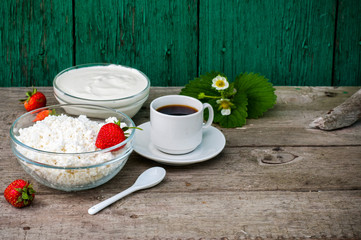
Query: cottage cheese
[65, 134]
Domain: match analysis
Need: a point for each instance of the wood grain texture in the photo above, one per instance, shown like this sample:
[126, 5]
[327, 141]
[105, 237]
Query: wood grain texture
[243, 193]
[159, 38]
[290, 42]
[155, 214]
[36, 41]
[315, 43]
[348, 44]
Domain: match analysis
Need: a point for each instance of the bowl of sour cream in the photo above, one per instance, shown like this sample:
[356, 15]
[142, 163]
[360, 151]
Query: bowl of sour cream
[109, 85]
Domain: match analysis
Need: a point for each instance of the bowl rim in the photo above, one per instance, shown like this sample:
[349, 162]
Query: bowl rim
[116, 158]
[143, 99]
[99, 64]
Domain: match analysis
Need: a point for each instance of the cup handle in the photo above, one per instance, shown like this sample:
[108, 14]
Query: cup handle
[210, 115]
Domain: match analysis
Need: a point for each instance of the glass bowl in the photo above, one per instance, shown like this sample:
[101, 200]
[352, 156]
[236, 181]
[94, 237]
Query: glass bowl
[70, 168]
[109, 85]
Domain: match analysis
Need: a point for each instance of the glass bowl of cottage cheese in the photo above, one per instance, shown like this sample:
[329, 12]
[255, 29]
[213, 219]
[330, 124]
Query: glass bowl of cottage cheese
[109, 85]
[60, 150]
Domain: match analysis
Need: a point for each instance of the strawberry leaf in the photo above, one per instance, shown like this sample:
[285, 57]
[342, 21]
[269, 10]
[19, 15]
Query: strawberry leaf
[31, 189]
[127, 128]
[203, 84]
[260, 93]
[29, 94]
[250, 95]
[25, 195]
[238, 116]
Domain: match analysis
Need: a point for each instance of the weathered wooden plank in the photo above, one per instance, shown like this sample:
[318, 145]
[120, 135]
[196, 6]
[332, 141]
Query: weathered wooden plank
[158, 37]
[36, 41]
[295, 109]
[290, 42]
[287, 124]
[158, 215]
[348, 44]
[243, 193]
[280, 130]
[238, 169]
[289, 99]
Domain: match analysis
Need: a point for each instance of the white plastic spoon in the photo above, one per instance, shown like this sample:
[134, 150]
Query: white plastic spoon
[147, 179]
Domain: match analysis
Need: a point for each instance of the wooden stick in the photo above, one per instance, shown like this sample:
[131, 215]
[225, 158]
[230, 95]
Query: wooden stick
[341, 116]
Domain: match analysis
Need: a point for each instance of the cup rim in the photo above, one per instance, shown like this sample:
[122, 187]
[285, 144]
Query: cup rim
[176, 96]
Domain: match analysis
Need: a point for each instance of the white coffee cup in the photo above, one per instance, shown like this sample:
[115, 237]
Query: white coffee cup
[178, 134]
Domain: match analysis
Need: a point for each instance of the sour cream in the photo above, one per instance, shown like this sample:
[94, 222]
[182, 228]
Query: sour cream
[106, 82]
[107, 85]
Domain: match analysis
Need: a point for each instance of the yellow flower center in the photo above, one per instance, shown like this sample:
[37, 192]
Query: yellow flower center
[220, 83]
[225, 104]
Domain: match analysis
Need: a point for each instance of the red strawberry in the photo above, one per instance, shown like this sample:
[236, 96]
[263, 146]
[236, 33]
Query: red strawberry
[43, 114]
[19, 193]
[109, 135]
[35, 100]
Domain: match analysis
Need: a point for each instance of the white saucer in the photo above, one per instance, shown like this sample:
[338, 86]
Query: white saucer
[212, 144]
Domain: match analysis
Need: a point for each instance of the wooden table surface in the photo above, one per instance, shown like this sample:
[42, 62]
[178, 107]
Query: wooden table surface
[275, 179]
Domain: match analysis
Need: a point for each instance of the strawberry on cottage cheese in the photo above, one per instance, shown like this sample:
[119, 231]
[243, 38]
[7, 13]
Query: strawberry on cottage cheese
[75, 137]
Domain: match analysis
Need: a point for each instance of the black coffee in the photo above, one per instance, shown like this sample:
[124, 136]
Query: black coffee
[177, 110]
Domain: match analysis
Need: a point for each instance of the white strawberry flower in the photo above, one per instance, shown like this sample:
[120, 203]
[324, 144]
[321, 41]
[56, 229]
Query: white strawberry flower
[226, 111]
[225, 104]
[220, 83]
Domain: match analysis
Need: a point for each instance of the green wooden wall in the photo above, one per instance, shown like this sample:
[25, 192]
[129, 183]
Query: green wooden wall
[291, 42]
